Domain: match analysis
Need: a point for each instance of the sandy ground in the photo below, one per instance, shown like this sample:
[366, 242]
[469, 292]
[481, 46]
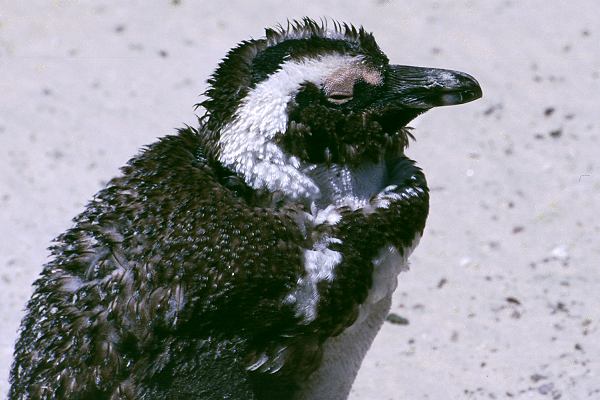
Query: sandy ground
[503, 295]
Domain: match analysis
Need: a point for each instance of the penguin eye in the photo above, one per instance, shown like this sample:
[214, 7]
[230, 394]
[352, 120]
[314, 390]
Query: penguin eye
[339, 97]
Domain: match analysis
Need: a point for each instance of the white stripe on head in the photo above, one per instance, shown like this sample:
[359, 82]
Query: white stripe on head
[246, 144]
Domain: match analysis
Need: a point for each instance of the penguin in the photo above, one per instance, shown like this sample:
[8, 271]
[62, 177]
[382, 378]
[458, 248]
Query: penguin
[253, 256]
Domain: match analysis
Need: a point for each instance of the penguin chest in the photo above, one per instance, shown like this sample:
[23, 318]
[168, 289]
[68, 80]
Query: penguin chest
[343, 354]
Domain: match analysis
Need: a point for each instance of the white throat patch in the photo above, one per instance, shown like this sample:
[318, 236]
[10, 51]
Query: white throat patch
[246, 144]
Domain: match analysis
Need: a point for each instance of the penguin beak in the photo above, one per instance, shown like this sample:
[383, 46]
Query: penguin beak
[424, 88]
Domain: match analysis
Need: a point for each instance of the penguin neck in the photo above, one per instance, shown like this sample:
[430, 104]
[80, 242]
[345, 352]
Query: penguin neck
[344, 185]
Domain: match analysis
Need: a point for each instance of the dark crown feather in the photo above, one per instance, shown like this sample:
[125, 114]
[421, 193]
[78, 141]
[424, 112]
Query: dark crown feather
[251, 61]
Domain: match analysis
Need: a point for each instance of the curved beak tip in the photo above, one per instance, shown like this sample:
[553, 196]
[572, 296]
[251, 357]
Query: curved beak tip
[462, 88]
[464, 94]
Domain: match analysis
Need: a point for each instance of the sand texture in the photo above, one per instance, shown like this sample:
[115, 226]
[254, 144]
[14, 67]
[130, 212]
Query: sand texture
[503, 296]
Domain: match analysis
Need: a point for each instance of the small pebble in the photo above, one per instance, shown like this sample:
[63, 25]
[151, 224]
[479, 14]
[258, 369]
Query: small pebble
[560, 252]
[513, 300]
[396, 319]
[537, 377]
[556, 133]
[546, 388]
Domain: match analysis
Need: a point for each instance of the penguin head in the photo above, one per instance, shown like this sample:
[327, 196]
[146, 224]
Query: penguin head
[313, 94]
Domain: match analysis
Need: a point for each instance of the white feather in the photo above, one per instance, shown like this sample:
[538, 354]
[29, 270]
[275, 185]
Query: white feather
[319, 263]
[246, 144]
